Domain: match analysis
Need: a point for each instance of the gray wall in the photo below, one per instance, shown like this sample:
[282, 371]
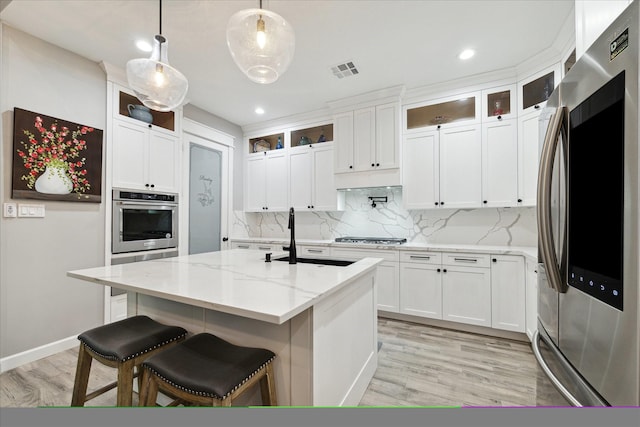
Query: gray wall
[39, 304]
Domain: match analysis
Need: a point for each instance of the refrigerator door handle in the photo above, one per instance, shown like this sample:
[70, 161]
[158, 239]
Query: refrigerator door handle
[555, 130]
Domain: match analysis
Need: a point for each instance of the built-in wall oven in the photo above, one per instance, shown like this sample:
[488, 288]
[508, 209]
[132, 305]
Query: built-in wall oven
[143, 221]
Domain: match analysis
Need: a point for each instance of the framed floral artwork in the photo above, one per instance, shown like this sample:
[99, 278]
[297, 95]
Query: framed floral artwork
[54, 159]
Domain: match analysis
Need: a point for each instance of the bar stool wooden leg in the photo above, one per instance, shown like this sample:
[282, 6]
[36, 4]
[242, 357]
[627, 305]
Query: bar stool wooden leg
[267, 387]
[82, 377]
[125, 383]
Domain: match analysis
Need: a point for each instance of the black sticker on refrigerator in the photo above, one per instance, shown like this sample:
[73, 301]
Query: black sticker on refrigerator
[619, 44]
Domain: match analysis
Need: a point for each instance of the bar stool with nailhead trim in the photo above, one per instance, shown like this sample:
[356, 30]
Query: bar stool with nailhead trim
[124, 345]
[205, 370]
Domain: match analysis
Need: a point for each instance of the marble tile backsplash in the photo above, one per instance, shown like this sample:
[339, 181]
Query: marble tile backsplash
[483, 226]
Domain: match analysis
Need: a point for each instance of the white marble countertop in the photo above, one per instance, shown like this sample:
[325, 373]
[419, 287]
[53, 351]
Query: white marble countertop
[237, 281]
[530, 252]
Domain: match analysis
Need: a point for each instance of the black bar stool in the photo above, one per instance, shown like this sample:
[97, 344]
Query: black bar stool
[205, 370]
[124, 345]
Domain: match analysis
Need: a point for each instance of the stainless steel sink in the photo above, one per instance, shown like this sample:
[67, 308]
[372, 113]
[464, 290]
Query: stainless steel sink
[320, 261]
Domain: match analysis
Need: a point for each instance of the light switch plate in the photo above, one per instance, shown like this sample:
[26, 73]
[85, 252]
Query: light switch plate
[10, 210]
[30, 211]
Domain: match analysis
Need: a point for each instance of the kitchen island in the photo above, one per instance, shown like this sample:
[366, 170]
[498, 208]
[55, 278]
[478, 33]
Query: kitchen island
[320, 320]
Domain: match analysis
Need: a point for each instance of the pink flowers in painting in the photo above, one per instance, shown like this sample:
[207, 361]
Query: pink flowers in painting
[56, 147]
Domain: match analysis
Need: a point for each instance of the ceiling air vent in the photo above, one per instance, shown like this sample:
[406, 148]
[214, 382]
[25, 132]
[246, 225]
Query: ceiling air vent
[344, 70]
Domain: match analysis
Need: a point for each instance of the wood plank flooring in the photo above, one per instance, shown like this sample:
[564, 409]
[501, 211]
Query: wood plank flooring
[418, 366]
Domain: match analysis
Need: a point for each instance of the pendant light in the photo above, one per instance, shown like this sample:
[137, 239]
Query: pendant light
[261, 43]
[156, 83]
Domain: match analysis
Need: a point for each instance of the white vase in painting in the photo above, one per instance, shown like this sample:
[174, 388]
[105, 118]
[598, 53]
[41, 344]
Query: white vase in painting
[54, 180]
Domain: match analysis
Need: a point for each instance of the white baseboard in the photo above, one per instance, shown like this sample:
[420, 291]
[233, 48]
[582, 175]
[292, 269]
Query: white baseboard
[13, 361]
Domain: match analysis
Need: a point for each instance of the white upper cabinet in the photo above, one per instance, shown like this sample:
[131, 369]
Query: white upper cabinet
[499, 103]
[266, 182]
[442, 168]
[534, 90]
[421, 170]
[311, 184]
[145, 146]
[144, 159]
[367, 139]
[442, 113]
[343, 150]
[500, 163]
[460, 167]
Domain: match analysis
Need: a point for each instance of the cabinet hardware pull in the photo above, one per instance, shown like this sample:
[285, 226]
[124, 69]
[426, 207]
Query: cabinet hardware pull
[519, 200]
[494, 260]
[377, 164]
[465, 259]
[444, 270]
[372, 165]
[536, 107]
[499, 117]
[419, 257]
[315, 251]
[350, 166]
[438, 126]
[442, 203]
[243, 246]
[264, 248]
[484, 201]
[224, 239]
[437, 203]
[438, 270]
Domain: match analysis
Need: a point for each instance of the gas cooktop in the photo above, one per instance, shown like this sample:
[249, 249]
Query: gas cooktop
[372, 240]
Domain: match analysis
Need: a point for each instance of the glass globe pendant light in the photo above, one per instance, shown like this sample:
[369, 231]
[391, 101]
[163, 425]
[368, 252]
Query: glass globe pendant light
[156, 83]
[261, 43]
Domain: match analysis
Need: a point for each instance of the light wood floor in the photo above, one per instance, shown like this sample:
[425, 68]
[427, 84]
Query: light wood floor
[418, 366]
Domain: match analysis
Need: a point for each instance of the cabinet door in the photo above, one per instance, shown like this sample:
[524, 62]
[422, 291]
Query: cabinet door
[531, 299]
[500, 163]
[300, 177]
[364, 135]
[325, 195]
[528, 158]
[460, 167]
[508, 293]
[164, 153]
[276, 183]
[466, 295]
[130, 159]
[343, 142]
[421, 290]
[420, 171]
[388, 292]
[255, 187]
[387, 134]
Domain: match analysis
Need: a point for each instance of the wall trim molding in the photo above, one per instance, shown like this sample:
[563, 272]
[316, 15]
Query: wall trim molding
[19, 359]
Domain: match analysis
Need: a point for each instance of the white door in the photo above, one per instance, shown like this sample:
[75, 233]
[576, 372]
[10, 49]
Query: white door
[466, 295]
[460, 167]
[325, 195]
[421, 290]
[129, 163]
[364, 135]
[420, 171]
[508, 293]
[163, 167]
[343, 142]
[206, 191]
[255, 186]
[528, 157]
[500, 163]
[387, 134]
[300, 174]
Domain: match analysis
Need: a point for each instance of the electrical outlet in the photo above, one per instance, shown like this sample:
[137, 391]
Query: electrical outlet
[10, 210]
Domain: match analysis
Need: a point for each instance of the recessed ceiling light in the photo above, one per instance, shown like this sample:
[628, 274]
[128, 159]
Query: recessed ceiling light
[144, 46]
[466, 54]
[259, 110]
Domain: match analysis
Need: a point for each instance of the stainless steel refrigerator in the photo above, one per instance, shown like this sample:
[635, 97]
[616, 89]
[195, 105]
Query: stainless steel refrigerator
[588, 339]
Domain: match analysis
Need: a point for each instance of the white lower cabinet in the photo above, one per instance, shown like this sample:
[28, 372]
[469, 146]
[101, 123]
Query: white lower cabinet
[508, 293]
[421, 284]
[388, 285]
[531, 298]
[466, 289]
[118, 307]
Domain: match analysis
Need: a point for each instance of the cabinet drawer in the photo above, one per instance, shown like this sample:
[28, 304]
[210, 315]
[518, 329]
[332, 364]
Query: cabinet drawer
[313, 251]
[356, 254]
[421, 257]
[467, 260]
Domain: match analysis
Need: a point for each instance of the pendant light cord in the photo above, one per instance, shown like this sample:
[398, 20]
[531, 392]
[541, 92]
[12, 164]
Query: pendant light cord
[161, 17]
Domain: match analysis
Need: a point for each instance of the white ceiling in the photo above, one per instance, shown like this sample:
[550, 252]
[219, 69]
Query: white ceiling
[414, 43]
